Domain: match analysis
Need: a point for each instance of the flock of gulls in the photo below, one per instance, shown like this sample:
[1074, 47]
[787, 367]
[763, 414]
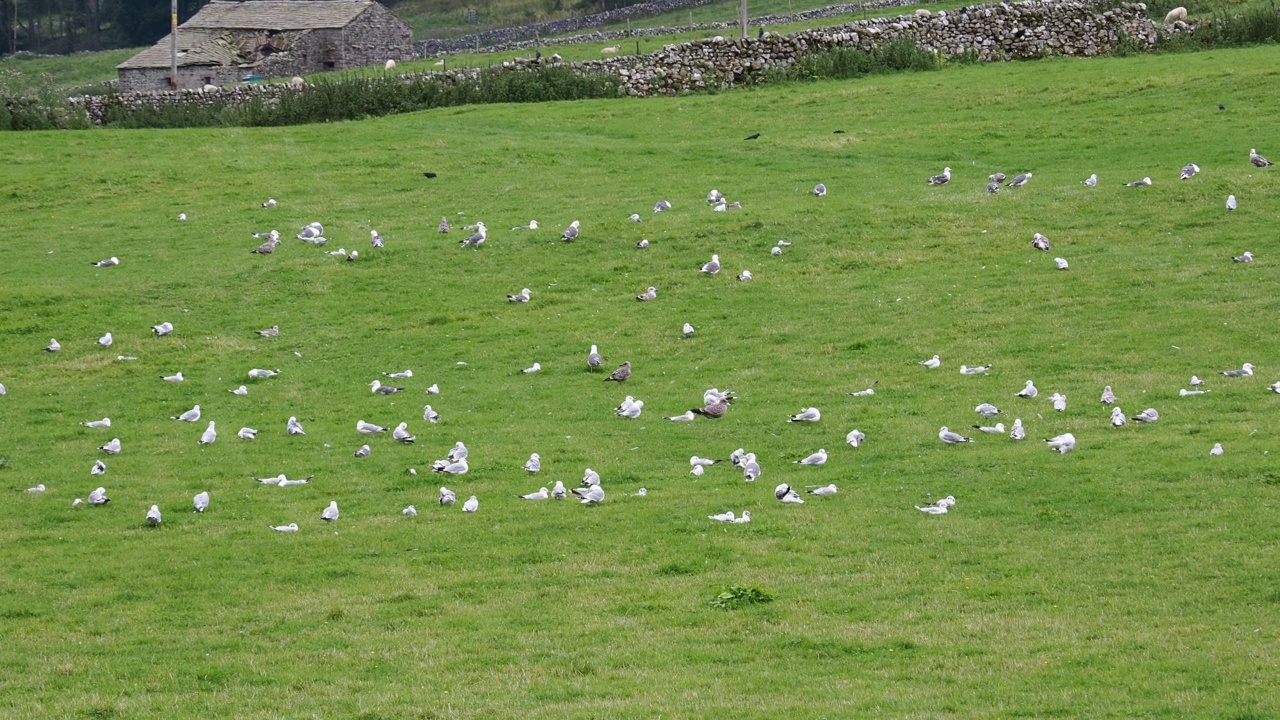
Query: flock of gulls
[715, 403]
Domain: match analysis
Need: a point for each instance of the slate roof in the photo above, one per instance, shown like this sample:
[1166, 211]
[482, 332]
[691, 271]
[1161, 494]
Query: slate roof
[277, 14]
[195, 47]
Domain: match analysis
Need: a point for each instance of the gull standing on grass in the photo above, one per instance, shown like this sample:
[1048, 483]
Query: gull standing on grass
[594, 361]
[631, 412]
[750, 468]
[476, 239]
[687, 330]
[106, 340]
[330, 513]
[443, 227]
[993, 187]
[952, 438]
[209, 435]
[1020, 180]
[153, 516]
[570, 233]
[621, 374]
[1092, 180]
[712, 266]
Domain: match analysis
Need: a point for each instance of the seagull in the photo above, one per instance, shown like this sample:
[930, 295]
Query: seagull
[744, 276]
[632, 412]
[1117, 417]
[242, 390]
[1247, 257]
[111, 448]
[273, 235]
[209, 435]
[713, 396]
[430, 415]
[559, 492]
[267, 247]
[192, 415]
[459, 451]
[818, 458]
[941, 179]
[712, 266]
[593, 359]
[997, 177]
[352, 257]
[1139, 183]
[987, 410]
[532, 369]
[871, 390]
[661, 205]
[77, 502]
[723, 517]
[99, 468]
[520, 297]
[744, 519]
[291, 527]
[174, 378]
[106, 263]
[163, 328]
[932, 363]
[399, 375]
[1274, 387]
[590, 477]
[247, 433]
[635, 217]
[570, 233]
[855, 437]
[37, 489]
[1147, 416]
[1061, 263]
[533, 225]
[1196, 382]
[1017, 433]
[443, 227]
[993, 187]
[786, 495]
[285, 482]
[696, 461]
[997, 429]
[735, 457]
[105, 340]
[775, 251]
[474, 240]
[1029, 391]
[330, 513]
[53, 346]
[1231, 202]
[153, 516]
[1092, 181]
[642, 243]
[1108, 397]
[200, 502]
[542, 494]
[714, 197]
[293, 427]
[1189, 171]
[713, 410]
[1216, 451]
[593, 495]
[401, 434]
[825, 490]
[1059, 401]
[434, 389]
[649, 294]
[750, 468]
[1185, 392]
[368, 428]
[1040, 242]
[182, 217]
[471, 505]
[311, 231]
[375, 239]
[820, 190]
[99, 497]
[621, 374]
[933, 509]
[687, 330]
[447, 497]
[952, 438]
[377, 387]
[1245, 371]
[104, 422]
[363, 451]
[270, 203]
[410, 511]
[272, 331]
[259, 373]
[458, 467]
[1020, 180]
[686, 417]
[533, 464]
[974, 370]
[1063, 443]
[340, 252]
[697, 470]
[1254, 157]
[807, 415]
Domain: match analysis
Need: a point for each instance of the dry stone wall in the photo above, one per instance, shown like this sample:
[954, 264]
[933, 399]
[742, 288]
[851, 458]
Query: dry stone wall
[995, 32]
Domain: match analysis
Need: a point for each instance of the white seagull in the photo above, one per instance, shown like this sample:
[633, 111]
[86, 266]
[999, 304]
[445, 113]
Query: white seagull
[1063, 443]
[174, 378]
[200, 502]
[594, 361]
[786, 495]
[99, 468]
[458, 452]
[520, 297]
[430, 415]
[476, 239]
[37, 489]
[293, 427]
[1149, 415]
[818, 458]
[104, 422]
[1029, 391]
[111, 448]
[363, 451]
[1020, 180]
[1216, 451]
[820, 190]
[590, 477]
[932, 363]
[447, 496]
[1017, 433]
[723, 517]
[368, 428]
[1254, 157]
[806, 415]
[1139, 183]
[99, 497]
[743, 519]
[532, 369]
[192, 415]
[410, 511]
[109, 262]
[942, 178]
[533, 464]
[330, 513]
[1061, 263]
[570, 233]
[1059, 401]
[824, 490]
[687, 330]
[458, 467]
[242, 390]
[153, 516]
[593, 495]
[471, 505]
[855, 437]
[1117, 417]
[533, 225]
[987, 410]
[209, 435]
[375, 239]
[291, 527]
[686, 417]
[1245, 370]
[259, 373]
[105, 340]
[434, 389]
[377, 387]
[1247, 257]
[53, 346]
[541, 494]
[1092, 181]
[952, 438]
[661, 205]
[1040, 242]
[1186, 393]
[997, 429]
[632, 411]
[974, 370]
[712, 266]
[1189, 171]
[247, 433]
[163, 328]
[559, 492]
[401, 434]
[1108, 397]
[399, 375]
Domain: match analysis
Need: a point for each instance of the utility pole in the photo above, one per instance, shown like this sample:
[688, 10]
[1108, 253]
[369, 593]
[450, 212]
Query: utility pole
[742, 19]
[173, 44]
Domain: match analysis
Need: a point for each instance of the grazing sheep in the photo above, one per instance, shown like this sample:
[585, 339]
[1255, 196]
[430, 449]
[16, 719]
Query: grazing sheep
[923, 13]
[611, 50]
[298, 83]
[209, 88]
[1178, 13]
[391, 65]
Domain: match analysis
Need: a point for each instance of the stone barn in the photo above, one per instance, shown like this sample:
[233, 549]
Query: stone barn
[227, 41]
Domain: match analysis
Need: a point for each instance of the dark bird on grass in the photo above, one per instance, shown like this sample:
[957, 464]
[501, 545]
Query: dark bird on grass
[993, 187]
[752, 136]
[621, 374]
[570, 233]
[1244, 371]
[593, 359]
[837, 132]
[714, 410]
[266, 248]
[1020, 180]
[760, 33]
[429, 175]
[942, 178]
[997, 177]
[1258, 160]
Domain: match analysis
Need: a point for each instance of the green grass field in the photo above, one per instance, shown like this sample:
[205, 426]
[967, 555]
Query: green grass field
[1134, 577]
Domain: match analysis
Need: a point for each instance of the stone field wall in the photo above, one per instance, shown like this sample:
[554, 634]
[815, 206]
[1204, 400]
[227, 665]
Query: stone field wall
[992, 33]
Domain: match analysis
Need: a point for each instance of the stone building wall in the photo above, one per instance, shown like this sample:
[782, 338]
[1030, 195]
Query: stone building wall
[375, 37]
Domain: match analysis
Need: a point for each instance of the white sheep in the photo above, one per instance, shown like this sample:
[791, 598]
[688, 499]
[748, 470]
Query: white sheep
[611, 50]
[209, 88]
[1178, 13]
[391, 65]
[923, 13]
[298, 83]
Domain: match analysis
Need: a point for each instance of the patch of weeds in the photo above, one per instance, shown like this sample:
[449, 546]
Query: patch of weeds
[736, 596]
[1048, 513]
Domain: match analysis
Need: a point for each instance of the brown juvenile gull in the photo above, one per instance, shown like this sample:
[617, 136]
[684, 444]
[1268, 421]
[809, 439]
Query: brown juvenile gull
[621, 374]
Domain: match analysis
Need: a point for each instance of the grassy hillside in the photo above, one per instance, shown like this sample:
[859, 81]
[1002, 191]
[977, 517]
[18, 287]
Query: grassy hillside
[1134, 577]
